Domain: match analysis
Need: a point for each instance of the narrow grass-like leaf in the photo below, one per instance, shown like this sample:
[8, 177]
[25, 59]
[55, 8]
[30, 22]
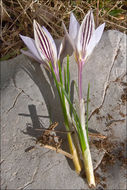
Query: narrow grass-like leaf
[87, 110]
[68, 80]
[76, 86]
[65, 80]
[60, 73]
[116, 12]
[73, 149]
[61, 96]
[68, 76]
[77, 121]
[56, 82]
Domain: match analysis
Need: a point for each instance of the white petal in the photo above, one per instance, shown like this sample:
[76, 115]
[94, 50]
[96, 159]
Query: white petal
[95, 39]
[99, 32]
[61, 47]
[73, 27]
[30, 43]
[85, 32]
[29, 54]
[68, 36]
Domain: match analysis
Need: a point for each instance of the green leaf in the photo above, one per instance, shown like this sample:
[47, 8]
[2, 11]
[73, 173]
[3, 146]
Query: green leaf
[76, 87]
[115, 12]
[61, 95]
[60, 73]
[87, 110]
[68, 76]
[65, 81]
[77, 121]
[8, 56]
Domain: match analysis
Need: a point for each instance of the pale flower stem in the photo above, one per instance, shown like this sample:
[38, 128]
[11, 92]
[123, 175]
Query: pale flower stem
[72, 143]
[89, 167]
[74, 154]
[86, 154]
[80, 80]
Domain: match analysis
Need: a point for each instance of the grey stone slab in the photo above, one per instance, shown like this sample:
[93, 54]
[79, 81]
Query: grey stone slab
[28, 95]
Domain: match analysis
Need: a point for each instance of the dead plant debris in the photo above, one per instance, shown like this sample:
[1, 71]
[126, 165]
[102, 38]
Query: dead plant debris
[17, 18]
[114, 151]
[50, 140]
[49, 137]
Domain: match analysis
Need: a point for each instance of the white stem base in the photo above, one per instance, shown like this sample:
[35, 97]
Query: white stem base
[89, 167]
[86, 154]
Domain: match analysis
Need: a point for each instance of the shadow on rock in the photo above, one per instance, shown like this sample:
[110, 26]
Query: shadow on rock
[32, 129]
[45, 83]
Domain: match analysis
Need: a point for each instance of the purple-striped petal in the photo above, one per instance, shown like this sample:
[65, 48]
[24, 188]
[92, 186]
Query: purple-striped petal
[95, 39]
[45, 44]
[40, 42]
[30, 43]
[85, 33]
[52, 44]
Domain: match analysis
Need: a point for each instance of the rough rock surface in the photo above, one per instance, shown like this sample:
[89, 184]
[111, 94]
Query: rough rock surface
[27, 97]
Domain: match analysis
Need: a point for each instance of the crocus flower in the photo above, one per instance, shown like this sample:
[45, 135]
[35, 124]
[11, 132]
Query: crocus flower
[83, 39]
[43, 49]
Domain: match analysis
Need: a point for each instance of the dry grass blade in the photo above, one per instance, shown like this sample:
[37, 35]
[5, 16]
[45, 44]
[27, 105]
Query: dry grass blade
[59, 150]
[97, 14]
[4, 14]
[18, 17]
[25, 10]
